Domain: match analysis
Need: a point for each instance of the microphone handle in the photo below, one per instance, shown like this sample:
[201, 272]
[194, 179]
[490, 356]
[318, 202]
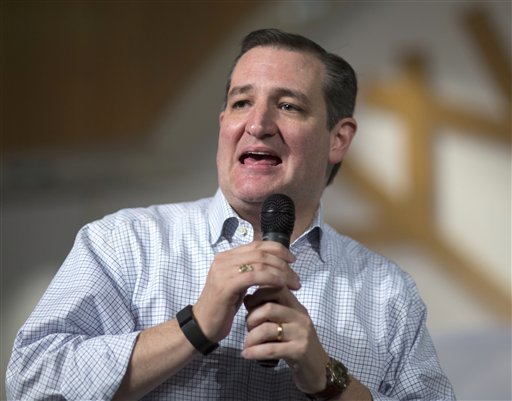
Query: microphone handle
[285, 240]
[268, 363]
[282, 238]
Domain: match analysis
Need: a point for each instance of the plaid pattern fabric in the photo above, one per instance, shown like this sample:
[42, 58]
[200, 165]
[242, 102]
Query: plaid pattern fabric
[139, 267]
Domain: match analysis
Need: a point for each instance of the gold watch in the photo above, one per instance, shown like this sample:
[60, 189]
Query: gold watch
[338, 380]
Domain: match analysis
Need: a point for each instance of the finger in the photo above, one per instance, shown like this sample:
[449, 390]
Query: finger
[264, 276]
[269, 247]
[262, 295]
[264, 269]
[269, 350]
[267, 270]
[275, 248]
[271, 312]
[263, 252]
[266, 332]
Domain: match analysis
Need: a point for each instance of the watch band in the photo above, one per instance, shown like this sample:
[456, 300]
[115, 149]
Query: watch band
[338, 380]
[192, 331]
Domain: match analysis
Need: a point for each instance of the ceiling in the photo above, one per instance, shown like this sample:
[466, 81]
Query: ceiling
[82, 74]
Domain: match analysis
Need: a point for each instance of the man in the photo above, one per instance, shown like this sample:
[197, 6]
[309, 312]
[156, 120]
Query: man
[345, 323]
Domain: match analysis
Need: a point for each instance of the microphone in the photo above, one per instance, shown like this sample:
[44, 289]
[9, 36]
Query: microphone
[277, 219]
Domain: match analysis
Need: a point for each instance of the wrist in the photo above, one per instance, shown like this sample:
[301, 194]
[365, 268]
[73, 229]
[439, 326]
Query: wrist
[309, 375]
[336, 381]
[192, 331]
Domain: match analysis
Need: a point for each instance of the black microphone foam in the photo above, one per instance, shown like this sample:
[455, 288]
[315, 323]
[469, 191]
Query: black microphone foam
[277, 219]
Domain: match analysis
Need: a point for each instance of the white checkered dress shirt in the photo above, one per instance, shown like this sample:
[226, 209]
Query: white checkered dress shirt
[138, 267]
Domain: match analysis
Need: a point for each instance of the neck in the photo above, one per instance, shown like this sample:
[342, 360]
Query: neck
[303, 221]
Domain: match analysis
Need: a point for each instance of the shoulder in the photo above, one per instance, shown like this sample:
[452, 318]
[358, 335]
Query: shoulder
[161, 218]
[343, 247]
[376, 280]
[365, 265]
[156, 214]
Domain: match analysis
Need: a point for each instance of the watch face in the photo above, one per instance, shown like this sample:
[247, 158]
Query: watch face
[338, 373]
[338, 380]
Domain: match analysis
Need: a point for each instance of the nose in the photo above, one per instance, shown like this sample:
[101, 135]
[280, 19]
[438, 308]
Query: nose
[261, 122]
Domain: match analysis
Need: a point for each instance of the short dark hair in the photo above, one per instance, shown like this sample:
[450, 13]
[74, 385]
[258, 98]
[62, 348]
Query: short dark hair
[340, 85]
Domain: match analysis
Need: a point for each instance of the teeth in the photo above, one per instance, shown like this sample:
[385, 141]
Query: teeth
[259, 155]
[256, 154]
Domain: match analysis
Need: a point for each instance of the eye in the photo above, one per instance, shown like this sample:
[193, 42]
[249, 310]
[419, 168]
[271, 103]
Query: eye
[240, 104]
[289, 107]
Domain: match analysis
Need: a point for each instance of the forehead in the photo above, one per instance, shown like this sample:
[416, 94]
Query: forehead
[268, 66]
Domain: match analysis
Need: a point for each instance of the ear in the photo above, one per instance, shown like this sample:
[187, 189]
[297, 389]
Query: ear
[341, 138]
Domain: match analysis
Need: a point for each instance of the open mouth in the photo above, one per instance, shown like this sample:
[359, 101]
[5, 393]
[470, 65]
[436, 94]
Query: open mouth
[260, 158]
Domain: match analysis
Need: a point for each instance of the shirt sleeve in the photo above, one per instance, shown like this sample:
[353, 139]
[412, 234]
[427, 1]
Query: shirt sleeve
[78, 341]
[413, 369]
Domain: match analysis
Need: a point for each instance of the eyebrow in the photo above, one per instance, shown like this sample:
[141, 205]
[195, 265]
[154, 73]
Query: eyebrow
[278, 92]
[237, 90]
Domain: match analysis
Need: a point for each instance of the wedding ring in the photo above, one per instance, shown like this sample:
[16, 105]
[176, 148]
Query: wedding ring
[245, 268]
[280, 333]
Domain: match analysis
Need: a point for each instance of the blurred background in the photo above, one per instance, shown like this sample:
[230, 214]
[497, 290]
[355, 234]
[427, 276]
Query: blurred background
[106, 105]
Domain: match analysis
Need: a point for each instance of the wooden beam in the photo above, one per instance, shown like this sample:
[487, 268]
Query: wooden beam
[424, 231]
[472, 123]
[494, 56]
[397, 98]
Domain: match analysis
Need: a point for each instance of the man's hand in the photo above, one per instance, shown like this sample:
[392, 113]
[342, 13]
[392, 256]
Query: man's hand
[226, 287]
[299, 346]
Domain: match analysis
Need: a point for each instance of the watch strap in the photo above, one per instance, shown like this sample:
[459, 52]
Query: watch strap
[338, 380]
[193, 332]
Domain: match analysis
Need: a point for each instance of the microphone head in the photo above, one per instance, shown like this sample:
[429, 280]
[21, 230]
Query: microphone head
[277, 215]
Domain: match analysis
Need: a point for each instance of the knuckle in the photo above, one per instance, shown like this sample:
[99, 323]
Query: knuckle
[220, 259]
[303, 351]
[273, 350]
[260, 254]
[257, 245]
[268, 308]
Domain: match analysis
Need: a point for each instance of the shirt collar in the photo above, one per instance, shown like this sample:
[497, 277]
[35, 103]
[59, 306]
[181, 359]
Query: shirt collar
[223, 222]
[313, 235]
[222, 219]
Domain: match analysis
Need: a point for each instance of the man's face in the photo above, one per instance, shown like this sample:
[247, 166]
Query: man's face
[273, 133]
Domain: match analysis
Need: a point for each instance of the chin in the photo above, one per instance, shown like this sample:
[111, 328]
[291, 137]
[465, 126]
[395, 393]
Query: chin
[253, 195]
[253, 189]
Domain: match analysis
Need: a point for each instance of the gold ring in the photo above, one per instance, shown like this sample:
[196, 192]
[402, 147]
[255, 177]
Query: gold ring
[245, 268]
[280, 333]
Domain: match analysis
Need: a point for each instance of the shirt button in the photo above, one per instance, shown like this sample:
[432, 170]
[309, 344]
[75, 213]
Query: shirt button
[242, 230]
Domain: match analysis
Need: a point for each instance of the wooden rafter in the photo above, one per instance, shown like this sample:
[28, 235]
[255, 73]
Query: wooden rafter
[482, 32]
[413, 216]
[399, 223]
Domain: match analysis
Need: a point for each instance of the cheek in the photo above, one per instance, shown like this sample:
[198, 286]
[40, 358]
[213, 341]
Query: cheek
[222, 159]
[226, 138]
[312, 155]
[230, 133]
[222, 148]
[226, 145]
[313, 148]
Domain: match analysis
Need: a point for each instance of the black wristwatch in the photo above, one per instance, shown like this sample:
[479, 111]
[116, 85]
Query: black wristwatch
[193, 332]
[338, 380]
